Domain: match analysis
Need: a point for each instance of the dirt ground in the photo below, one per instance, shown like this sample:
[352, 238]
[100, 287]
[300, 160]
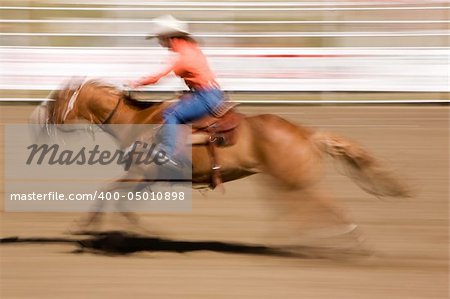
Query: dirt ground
[408, 238]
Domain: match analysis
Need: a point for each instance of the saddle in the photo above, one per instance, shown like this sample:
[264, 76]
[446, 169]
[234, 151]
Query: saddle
[216, 131]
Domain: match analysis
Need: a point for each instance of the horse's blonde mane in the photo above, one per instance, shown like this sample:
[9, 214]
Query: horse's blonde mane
[62, 96]
[103, 84]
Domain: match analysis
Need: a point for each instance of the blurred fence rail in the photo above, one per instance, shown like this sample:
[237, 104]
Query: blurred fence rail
[364, 46]
[256, 24]
[238, 69]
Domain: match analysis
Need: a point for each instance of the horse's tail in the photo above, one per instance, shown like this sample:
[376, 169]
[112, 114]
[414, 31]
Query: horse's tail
[361, 166]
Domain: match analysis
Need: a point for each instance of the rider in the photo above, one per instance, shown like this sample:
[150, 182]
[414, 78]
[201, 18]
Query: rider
[205, 96]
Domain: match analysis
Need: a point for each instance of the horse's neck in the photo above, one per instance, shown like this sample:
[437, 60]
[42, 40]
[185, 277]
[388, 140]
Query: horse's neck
[128, 114]
[121, 125]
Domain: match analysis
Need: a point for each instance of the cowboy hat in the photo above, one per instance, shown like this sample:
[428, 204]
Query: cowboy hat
[168, 25]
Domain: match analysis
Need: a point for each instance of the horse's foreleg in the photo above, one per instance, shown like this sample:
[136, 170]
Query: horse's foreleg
[132, 218]
[130, 181]
[87, 223]
[91, 222]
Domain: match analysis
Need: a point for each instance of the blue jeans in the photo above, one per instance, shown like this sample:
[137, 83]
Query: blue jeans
[191, 107]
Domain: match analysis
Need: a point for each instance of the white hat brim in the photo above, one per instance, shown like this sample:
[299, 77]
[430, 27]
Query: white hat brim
[168, 25]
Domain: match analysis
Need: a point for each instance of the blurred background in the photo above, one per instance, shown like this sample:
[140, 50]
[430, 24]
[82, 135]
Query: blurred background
[375, 71]
[323, 47]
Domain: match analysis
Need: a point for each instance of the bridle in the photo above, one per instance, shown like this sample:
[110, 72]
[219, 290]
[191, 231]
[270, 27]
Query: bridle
[110, 115]
[74, 97]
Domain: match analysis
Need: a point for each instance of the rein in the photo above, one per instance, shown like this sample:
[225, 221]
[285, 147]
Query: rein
[110, 115]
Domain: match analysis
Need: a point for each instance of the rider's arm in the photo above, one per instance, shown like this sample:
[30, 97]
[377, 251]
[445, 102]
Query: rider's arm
[155, 78]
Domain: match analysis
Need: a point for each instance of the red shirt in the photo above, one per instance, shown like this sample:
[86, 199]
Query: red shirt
[190, 65]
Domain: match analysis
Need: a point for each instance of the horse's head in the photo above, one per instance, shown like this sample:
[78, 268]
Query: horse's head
[39, 119]
[76, 101]
[94, 101]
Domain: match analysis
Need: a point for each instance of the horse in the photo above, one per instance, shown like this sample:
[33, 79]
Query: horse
[292, 155]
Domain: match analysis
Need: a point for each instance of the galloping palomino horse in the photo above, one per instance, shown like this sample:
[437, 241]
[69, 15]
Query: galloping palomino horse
[292, 155]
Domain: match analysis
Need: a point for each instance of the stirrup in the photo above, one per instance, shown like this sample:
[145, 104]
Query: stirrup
[173, 162]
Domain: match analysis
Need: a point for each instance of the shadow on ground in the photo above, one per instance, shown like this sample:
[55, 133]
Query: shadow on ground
[122, 243]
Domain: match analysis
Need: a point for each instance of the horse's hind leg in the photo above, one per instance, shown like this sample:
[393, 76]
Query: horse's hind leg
[287, 153]
[320, 219]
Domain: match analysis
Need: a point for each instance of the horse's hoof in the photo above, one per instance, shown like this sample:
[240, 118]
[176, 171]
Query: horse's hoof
[78, 228]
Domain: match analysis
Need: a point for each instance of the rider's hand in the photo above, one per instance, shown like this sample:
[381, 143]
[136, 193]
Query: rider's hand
[134, 84]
